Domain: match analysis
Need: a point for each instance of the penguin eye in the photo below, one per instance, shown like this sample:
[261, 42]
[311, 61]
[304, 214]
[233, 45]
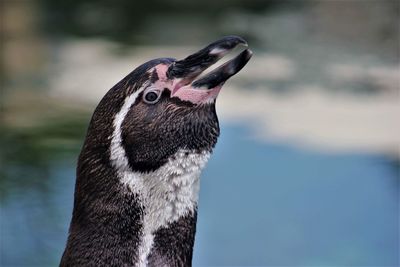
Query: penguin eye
[151, 97]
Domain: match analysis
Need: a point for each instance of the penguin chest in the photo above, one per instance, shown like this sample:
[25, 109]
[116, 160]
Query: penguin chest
[171, 191]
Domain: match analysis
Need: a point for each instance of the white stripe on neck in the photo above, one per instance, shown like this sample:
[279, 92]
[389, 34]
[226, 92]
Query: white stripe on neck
[167, 194]
[117, 152]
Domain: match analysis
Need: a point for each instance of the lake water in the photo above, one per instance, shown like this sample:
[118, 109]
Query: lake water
[259, 203]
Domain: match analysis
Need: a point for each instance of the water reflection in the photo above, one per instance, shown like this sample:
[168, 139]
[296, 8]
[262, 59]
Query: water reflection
[321, 209]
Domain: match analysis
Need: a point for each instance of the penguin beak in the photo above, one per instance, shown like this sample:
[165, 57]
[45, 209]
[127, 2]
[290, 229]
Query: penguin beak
[224, 72]
[206, 88]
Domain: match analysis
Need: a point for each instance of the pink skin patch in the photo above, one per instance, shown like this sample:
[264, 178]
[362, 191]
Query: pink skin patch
[161, 70]
[197, 96]
[182, 88]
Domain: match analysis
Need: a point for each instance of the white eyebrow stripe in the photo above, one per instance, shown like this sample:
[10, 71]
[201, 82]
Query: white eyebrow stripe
[117, 152]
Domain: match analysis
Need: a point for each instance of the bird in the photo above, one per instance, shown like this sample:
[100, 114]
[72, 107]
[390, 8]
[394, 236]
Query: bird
[138, 172]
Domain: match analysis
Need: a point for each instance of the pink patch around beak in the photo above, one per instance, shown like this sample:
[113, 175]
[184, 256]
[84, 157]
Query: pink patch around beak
[182, 89]
[197, 96]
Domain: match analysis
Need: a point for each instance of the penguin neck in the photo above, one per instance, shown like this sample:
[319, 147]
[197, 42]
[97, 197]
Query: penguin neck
[169, 192]
[168, 197]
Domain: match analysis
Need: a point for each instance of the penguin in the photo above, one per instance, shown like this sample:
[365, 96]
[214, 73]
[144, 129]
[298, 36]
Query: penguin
[138, 173]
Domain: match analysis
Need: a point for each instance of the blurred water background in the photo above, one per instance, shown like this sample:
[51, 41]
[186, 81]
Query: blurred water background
[306, 171]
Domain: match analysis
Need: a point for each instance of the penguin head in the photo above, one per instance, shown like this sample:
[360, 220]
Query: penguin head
[163, 107]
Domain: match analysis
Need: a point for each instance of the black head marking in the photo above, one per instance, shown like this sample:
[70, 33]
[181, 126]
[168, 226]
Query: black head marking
[154, 76]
